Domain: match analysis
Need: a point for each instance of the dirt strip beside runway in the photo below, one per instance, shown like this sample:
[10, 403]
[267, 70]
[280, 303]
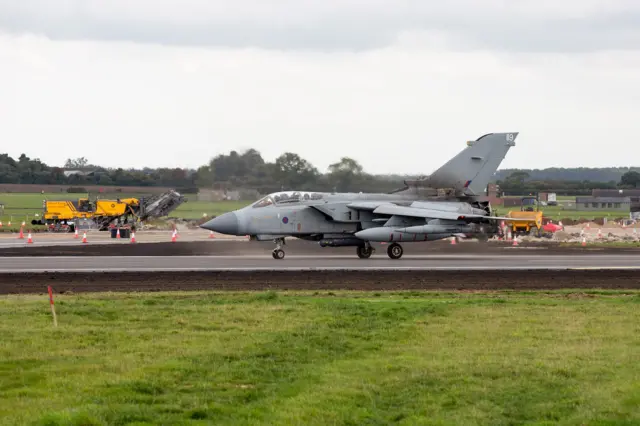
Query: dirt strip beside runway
[319, 280]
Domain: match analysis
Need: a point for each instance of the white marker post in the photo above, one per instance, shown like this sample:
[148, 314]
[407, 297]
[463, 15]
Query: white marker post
[53, 309]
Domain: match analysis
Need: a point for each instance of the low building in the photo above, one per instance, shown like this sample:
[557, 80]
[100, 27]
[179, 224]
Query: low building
[615, 193]
[512, 201]
[632, 194]
[621, 204]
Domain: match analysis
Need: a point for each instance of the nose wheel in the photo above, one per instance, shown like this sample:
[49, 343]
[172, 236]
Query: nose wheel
[364, 252]
[277, 252]
[394, 251]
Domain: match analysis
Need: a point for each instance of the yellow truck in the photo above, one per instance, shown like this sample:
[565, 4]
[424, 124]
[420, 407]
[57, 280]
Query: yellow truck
[527, 220]
[63, 216]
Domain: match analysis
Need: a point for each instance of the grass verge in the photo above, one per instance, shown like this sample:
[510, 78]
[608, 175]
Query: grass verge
[500, 358]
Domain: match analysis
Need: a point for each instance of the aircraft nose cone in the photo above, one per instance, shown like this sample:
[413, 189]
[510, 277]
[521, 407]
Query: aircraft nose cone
[224, 224]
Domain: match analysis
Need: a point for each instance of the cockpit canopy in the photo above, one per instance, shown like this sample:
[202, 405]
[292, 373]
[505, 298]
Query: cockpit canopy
[287, 197]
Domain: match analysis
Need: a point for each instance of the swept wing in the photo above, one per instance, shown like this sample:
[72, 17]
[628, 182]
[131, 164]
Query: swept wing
[390, 209]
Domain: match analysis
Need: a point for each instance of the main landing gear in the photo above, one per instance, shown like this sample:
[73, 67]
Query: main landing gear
[394, 251]
[278, 253]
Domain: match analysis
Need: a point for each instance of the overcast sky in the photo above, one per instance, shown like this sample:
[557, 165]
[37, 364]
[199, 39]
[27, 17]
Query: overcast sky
[400, 85]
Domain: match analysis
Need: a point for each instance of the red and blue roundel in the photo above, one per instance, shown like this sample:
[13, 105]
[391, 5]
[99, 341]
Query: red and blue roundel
[285, 220]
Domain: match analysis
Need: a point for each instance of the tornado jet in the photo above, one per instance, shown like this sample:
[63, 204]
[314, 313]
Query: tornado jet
[449, 202]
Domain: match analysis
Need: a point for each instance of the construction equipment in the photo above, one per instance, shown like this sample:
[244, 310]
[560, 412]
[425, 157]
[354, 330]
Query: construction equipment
[528, 220]
[65, 216]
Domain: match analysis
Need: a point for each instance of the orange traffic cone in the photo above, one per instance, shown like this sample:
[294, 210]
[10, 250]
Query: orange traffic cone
[0, 224]
[118, 233]
[211, 235]
[584, 241]
[84, 237]
[21, 236]
[133, 237]
[173, 236]
[29, 239]
[515, 241]
[453, 241]
[75, 234]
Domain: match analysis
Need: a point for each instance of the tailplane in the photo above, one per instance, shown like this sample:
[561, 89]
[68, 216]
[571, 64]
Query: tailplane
[471, 170]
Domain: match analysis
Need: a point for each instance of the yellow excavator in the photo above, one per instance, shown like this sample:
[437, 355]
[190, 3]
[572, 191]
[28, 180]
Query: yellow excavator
[528, 220]
[64, 216]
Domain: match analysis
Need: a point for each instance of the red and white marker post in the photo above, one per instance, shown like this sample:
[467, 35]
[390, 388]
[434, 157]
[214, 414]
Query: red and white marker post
[53, 308]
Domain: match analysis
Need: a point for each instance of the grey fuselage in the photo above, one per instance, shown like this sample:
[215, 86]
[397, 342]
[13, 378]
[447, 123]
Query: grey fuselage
[321, 216]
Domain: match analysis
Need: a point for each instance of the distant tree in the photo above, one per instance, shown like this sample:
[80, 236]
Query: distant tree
[77, 163]
[519, 177]
[630, 179]
[346, 175]
[205, 177]
[293, 172]
[346, 165]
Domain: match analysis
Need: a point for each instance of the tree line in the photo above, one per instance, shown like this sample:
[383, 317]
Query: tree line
[248, 170]
[572, 174]
[235, 170]
[521, 182]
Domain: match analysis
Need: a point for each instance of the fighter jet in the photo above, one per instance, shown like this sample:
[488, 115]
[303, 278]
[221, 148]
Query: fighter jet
[447, 203]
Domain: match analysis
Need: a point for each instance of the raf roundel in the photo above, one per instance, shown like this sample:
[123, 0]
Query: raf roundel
[285, 219]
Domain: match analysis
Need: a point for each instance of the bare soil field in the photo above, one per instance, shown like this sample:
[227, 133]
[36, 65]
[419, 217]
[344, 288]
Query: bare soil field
[318, 280]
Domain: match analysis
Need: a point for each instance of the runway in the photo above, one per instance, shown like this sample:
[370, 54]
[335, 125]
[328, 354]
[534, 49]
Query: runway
[423, 262]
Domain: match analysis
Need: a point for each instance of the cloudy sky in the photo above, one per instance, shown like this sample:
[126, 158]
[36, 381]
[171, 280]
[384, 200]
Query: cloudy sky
[400, 85]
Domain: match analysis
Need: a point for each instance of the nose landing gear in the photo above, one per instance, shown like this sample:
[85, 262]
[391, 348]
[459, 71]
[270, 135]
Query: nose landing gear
[278, 253]
[365, 251]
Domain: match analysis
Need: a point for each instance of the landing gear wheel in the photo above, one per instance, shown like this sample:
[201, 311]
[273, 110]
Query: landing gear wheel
[364, 252]
[278, 253]
[394, 251]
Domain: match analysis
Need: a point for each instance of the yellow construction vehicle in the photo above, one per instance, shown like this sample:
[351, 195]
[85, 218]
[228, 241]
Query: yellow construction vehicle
[527, 220]
[65, 216]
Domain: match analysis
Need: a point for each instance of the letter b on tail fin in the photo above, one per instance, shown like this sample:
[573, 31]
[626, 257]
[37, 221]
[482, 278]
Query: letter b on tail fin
[471, 170]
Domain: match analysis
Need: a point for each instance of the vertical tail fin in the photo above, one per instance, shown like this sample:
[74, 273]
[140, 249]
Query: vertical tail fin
[471, 170]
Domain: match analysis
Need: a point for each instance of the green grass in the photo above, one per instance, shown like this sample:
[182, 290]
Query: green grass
[505, 358]
[196, 209]
[20, 207]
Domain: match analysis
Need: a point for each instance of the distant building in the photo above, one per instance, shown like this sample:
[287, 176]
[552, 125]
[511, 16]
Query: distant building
[68, 173]
[632, 194]
[512, 201]
[621, 204]
[615, 193]
[493, 195]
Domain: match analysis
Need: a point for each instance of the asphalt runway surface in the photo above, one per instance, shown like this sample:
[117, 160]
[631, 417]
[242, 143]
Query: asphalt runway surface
[292, 248]
[312, 263]
[241, 265]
